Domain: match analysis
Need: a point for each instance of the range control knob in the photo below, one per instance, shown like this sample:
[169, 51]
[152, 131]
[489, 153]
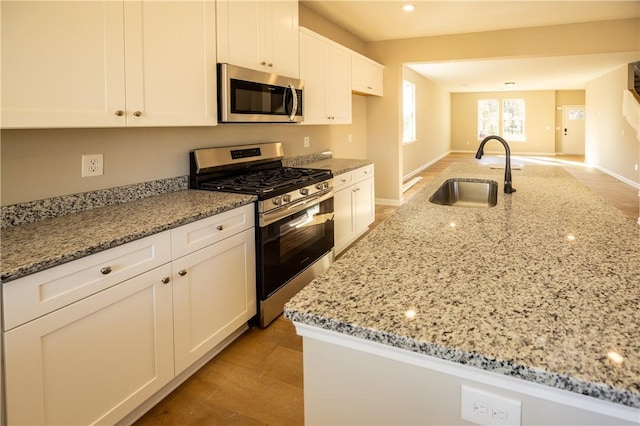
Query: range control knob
[322, 185]
[286, 198]
[277, 201]
[304, 191]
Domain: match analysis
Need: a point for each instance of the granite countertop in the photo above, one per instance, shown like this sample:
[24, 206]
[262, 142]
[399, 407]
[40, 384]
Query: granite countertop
[544, 287]
[33, 247]
[338, 165]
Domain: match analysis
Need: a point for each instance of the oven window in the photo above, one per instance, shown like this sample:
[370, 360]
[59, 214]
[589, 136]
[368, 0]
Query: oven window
[289, 246]
[255, 98]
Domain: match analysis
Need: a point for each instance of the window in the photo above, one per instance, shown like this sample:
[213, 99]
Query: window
[488, 117]
[513, 119]
[408, 111]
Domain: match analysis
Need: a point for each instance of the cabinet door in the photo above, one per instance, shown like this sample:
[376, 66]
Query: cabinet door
[170, 53]
[62, 64]
[326, 71]
[313, 59]
[339, 86]
[93, 361]
[259, 35]
[238, 24]
[214, 292]
[366, 76]
[281, 37]
[364, 207]
[343, 223]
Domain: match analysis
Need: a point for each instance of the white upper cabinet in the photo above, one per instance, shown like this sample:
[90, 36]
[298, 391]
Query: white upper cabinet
[325, 68]
[170, 53]
[366, 76]
[260, 35]
[108, 64]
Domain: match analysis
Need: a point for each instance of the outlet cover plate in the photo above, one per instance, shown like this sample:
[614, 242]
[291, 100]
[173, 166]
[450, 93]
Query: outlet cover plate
[485, 408]
[92, 165]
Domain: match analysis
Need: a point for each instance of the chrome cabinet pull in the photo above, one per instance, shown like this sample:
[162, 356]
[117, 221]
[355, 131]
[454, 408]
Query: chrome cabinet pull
[263, 63]
[119, 113]
[137, 113]
[182, 272]
[219, 227]
[165, 280]
[106, 270]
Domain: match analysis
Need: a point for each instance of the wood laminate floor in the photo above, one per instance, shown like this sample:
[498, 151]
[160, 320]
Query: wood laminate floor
[257, 380]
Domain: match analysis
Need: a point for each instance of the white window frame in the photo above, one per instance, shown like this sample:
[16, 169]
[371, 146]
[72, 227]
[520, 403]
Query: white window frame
[513, 118]
[500, 118]
[488, 117]
[408, 112]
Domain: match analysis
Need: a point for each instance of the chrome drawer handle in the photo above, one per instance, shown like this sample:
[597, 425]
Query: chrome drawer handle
[137, 113]
[165, 280]
[119, 113]
[219, 227]
[106, 270]
[182, 272]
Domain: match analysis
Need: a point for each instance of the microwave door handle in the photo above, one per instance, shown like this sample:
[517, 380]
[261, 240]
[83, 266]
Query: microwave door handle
[294, 96]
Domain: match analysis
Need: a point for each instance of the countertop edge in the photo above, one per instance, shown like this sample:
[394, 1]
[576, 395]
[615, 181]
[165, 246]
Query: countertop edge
[600, 391]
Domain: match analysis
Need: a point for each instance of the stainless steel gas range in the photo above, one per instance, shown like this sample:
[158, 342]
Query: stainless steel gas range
[294, 216]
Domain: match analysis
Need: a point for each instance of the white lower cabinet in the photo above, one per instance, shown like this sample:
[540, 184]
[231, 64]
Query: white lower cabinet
[354, 205]
[214, 293]
[112, 347]
[95, 360]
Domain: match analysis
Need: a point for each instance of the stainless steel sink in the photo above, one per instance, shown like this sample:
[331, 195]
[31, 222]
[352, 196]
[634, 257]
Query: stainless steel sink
[463, 192]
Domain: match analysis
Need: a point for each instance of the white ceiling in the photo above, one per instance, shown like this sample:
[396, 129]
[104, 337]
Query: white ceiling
[372, 20]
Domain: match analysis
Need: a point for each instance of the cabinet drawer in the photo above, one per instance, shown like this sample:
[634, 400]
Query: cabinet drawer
[194, 236]
[342, 181]
[35, 295]
[363, 173]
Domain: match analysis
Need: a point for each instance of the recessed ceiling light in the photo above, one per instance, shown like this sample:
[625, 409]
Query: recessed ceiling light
[408, 8]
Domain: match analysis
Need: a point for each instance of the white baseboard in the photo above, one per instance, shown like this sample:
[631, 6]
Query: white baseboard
[421, 168]
[617, 176]
[388, 202]
[409, 184]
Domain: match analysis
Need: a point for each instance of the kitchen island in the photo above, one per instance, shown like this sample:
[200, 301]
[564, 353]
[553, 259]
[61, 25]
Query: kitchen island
[535, 301]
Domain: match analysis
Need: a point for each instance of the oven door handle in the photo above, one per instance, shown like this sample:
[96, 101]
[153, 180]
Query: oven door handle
[277, 214]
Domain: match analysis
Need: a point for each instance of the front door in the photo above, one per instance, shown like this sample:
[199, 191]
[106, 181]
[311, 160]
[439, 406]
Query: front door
[573, 129]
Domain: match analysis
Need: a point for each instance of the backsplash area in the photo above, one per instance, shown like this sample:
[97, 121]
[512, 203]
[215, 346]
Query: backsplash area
[49, 208]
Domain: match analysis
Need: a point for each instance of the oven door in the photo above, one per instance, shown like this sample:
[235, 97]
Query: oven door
[289, 245]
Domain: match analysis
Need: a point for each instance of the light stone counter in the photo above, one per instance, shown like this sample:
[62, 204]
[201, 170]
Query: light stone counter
[33, 247]
[338, 165]
[542, 287]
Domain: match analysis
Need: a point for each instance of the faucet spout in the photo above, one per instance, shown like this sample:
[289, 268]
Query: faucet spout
[508, 188]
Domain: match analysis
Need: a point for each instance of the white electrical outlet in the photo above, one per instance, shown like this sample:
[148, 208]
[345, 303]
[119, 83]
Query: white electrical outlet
[484, 408]
[306, 141]
[92, 165]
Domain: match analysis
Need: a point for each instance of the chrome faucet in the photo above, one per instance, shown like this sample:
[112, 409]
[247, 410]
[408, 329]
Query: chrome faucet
[508, 189]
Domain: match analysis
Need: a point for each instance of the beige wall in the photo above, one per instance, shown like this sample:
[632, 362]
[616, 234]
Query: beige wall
[384, 123]
[565, 97]
[37, 164]
[539, 126]
[611, 142]
[433, 124]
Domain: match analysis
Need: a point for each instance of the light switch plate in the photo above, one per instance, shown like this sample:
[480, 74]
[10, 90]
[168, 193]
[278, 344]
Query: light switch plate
[485, 408]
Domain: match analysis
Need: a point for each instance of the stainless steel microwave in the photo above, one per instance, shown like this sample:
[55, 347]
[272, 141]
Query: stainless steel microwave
[249, 96]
